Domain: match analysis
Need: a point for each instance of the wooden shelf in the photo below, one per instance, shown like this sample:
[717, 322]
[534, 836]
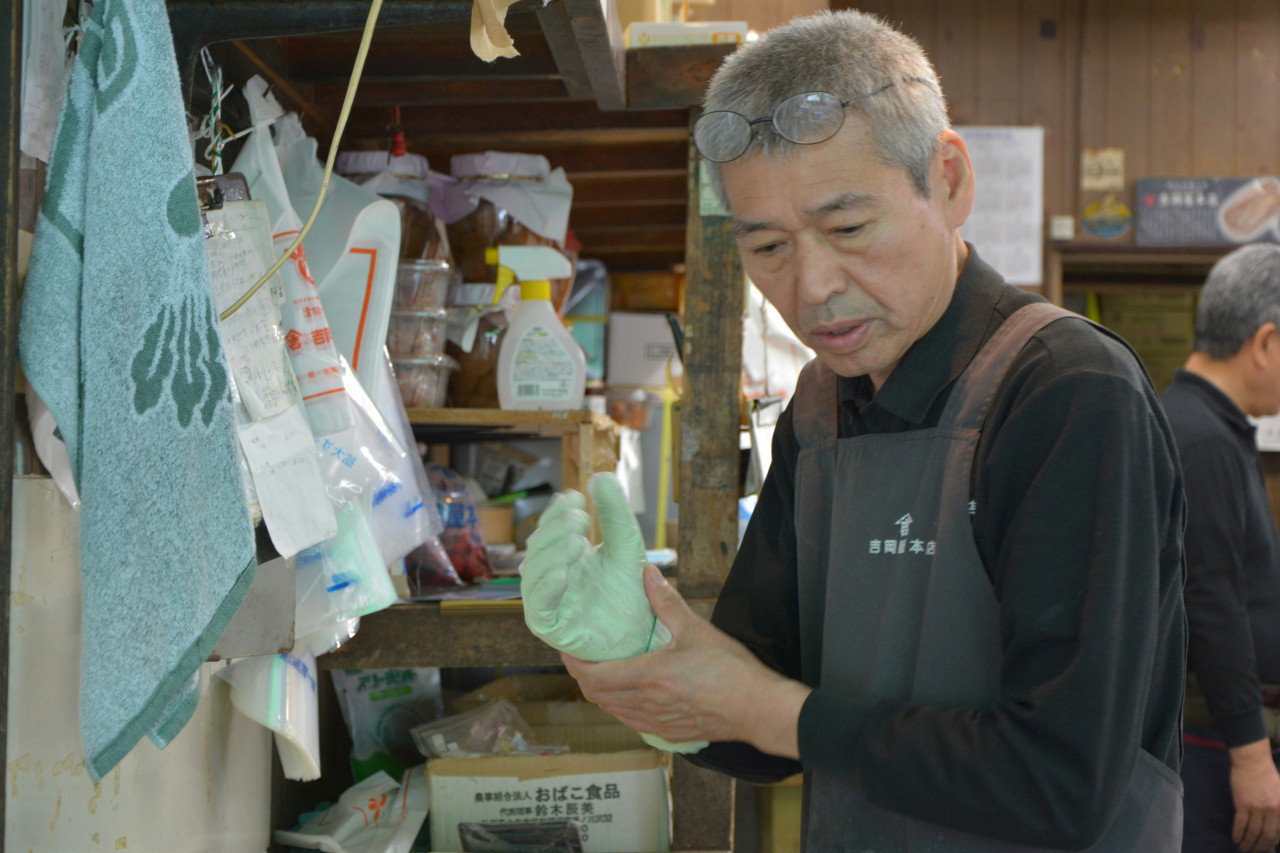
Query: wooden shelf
[536, 423]
[420, 634]
[588, 441]
[1105, 266]
[423, 634]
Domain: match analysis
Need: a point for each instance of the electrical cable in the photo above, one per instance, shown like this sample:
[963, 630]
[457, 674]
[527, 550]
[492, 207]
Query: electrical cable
[356, 70]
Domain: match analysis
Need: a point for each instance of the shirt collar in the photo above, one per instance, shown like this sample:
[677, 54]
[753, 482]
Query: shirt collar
[1221, 403]
[938, 358]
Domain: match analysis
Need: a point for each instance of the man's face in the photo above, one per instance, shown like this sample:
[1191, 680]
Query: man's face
[858, 263]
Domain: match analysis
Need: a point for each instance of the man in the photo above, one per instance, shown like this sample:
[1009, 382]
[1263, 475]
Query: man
[957, 607]
[1233, 557]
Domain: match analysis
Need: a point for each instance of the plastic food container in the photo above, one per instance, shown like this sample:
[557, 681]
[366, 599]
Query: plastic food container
[423, 285]
[423, 381]
[416, 334]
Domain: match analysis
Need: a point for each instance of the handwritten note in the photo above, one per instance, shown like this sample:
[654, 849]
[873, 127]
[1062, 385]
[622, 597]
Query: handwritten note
[286, 476]
[239, 247]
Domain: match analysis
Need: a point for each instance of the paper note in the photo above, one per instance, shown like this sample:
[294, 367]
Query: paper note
[239, 247]
[286, 475]
[1006, 224]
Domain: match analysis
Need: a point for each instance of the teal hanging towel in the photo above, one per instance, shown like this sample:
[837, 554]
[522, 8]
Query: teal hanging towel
[120, 337]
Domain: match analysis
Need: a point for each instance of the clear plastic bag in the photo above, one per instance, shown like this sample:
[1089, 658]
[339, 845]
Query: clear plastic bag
[380, 708]
[340, 579]
[279, 692]
[495, 728]
[462, 538]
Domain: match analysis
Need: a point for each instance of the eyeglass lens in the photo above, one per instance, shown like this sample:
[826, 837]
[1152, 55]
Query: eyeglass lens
[722, 136]
[809, 118]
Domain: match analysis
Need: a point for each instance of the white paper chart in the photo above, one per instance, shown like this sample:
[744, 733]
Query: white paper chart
[1007, 222]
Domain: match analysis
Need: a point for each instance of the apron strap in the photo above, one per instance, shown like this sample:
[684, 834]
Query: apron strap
[816, 405]
[971, 396]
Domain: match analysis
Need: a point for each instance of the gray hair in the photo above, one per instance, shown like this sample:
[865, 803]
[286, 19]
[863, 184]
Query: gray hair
[848, 54]
[1241, 294]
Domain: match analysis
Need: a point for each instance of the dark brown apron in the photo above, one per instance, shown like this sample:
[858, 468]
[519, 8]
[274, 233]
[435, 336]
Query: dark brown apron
[896, 604]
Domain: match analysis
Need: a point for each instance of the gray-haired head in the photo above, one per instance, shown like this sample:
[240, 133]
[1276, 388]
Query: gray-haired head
[1241, 294]
[848, 54]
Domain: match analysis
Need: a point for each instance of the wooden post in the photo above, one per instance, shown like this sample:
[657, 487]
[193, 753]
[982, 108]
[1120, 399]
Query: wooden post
[709, 454]
[10, 99]
[709, 466]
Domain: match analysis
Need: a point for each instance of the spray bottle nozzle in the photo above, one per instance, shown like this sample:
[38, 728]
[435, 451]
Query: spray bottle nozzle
[525, 264]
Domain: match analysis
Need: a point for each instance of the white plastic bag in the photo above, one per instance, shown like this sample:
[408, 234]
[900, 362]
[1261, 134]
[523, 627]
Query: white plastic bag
[352, 249]
[377, 815]
[307, 334]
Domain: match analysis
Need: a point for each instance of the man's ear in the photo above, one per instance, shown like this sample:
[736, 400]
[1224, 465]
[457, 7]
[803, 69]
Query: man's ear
[1265, 345]
[953, 178]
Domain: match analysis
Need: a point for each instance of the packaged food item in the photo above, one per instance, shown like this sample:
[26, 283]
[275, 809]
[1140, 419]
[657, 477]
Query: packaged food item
[513, 199]
[424, 382]
[462, 538]
[381, 707]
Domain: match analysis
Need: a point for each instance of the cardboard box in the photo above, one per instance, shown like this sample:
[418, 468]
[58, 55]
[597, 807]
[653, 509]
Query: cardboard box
[616, 796]
[658, 34]
[640, 345]
[1206, 211]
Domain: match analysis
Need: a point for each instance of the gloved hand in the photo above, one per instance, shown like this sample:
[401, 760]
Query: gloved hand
[589, 600]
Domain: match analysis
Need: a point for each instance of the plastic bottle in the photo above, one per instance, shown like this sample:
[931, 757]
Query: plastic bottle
[540, 365]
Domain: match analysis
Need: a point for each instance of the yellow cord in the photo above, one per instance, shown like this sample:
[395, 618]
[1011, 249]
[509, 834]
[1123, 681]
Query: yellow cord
[369, 25]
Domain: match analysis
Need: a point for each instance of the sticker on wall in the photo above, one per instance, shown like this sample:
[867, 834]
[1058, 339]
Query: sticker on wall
[1102, 169]
[1107, 217]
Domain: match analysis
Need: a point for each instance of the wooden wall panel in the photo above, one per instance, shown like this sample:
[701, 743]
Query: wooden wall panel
[955, 57]
[1129, 60]
[999, 69]
[1185, 87]
[1258, 86]
[1043, 88]
[1172, 90]
[1213, 50]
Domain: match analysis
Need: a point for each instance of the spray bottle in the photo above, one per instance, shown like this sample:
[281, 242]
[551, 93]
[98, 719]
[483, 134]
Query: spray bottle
[540, 365]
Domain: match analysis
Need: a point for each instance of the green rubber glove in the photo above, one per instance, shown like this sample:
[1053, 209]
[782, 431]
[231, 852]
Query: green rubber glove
[589, 600]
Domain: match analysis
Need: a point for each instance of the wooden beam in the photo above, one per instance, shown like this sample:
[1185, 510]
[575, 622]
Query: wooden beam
[702, 815]
[283, 86]
[671, 77]
[598, 38]
[709, 449]
[489, 114]
[558, 30]
[521, 140]
[447, 93]
[591, 157]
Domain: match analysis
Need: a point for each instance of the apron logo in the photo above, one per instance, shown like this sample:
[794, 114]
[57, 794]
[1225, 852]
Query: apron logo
[903, 544]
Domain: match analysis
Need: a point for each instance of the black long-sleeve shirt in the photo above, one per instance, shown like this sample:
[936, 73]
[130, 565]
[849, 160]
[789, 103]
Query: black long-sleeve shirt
[1078, 519]
[1233, 556]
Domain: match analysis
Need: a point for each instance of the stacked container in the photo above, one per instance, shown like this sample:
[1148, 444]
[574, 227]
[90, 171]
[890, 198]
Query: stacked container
[416, 330]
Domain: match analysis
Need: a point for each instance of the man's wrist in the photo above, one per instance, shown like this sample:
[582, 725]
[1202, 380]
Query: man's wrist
[1257, 752]
[772, 722]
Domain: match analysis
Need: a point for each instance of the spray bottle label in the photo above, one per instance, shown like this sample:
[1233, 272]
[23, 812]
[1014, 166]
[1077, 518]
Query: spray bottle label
[542, 369]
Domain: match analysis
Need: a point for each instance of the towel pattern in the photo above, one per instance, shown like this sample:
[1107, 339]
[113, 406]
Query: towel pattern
[119, 335]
